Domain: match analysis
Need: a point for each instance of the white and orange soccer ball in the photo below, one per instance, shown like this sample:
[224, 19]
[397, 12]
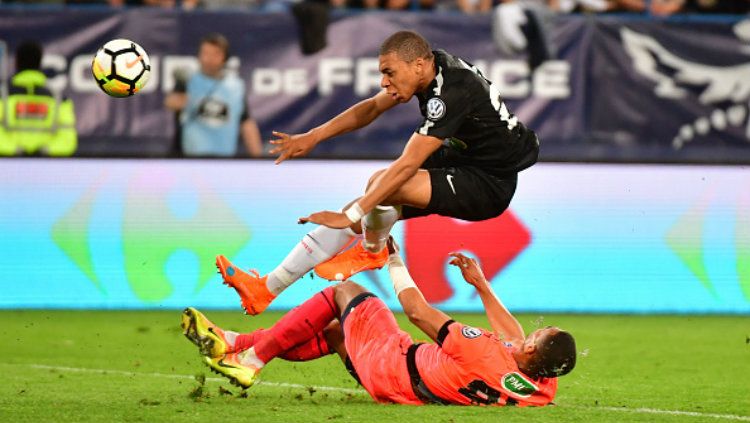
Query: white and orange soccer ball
[121, 68]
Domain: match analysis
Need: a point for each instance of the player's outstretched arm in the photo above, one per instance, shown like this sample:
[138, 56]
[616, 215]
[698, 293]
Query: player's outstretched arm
[424, 316]
[417, 150]
[361, 114]
[501, 320]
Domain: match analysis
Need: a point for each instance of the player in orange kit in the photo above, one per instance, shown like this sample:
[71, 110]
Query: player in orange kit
[465, 365]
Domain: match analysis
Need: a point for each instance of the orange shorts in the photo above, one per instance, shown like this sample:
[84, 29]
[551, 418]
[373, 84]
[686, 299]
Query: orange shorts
[377, 349]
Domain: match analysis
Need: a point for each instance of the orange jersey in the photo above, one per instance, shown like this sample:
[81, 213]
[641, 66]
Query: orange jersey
[377, 349]
[470, 366]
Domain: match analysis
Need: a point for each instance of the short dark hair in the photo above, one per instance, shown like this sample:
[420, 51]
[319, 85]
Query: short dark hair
[219, 41]
[28, 56]
[556, 355]
[408, 45]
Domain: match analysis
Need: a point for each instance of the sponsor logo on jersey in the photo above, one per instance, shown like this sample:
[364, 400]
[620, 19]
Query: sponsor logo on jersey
[470, 332]
[435, 108]
[519, 385]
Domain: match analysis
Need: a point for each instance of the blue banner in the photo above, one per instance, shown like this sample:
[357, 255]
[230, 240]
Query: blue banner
[578, 238]
[674, 90]
[621, 89]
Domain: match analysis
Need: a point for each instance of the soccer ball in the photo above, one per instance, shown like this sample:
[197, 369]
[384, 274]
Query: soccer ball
[121, 68]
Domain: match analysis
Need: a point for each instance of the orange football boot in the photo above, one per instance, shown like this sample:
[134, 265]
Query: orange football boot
[251, 287]
[351, 262]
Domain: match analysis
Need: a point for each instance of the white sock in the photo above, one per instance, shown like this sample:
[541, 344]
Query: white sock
[376, 227]
[230, 337]
[317, 246]
[249, 358]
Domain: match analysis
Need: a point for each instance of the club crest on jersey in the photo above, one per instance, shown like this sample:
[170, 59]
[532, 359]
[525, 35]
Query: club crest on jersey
[470, 332]
[435, 108]
[519, 385]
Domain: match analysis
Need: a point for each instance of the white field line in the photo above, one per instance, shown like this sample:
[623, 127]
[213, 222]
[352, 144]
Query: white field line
[211, 379]
[640, 410]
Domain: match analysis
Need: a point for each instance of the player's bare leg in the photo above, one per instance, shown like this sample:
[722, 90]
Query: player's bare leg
[345, 292]
[376, 227]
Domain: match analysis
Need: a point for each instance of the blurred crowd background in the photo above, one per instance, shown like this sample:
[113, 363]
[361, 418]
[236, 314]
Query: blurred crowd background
[654, 7]
[598, 80]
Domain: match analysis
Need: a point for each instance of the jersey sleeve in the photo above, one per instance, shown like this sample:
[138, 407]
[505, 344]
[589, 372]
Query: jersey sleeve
[462, 342]
[444, 113]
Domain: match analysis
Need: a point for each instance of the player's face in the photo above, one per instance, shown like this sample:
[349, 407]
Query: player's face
[535, 337]
[211, 58]
[401, 79]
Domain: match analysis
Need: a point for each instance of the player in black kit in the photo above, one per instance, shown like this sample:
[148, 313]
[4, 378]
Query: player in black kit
[462, 161]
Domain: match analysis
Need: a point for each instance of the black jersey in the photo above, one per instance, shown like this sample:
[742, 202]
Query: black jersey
[465, 110]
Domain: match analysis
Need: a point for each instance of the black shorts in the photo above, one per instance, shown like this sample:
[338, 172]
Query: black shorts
[467, 193]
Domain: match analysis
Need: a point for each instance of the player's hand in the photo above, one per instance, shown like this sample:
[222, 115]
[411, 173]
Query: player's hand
[334, 220]
[470, 270]
[291, 146]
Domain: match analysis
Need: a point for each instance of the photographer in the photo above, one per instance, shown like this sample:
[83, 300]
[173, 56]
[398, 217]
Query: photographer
[213, 106]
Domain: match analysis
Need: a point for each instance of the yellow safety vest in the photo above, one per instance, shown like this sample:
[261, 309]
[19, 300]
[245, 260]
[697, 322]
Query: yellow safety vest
[32, 120]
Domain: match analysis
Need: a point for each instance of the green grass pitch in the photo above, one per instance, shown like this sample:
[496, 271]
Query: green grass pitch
[135, 366]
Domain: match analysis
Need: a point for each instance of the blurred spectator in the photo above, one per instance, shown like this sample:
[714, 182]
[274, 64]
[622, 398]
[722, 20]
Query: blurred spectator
[312, 24]
[524, 26]
[224, 4]
[407, 4]
[567, 6]
[627, 5]
[213, 106]
[656, 7]
[37, 2]
[666, 7]
[34, 120]
[166, 4]
[474, 6]
[383, 4]
[669, 7]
